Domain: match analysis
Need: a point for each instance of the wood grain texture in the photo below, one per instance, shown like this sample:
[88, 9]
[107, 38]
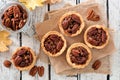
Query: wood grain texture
[37, 16]
[114, 22]
[9, 73]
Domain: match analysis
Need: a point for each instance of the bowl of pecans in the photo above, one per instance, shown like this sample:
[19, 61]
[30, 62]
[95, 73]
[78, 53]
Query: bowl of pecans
[14, 17]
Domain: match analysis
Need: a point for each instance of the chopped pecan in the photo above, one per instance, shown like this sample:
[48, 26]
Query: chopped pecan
[91, 15]
[96, 64]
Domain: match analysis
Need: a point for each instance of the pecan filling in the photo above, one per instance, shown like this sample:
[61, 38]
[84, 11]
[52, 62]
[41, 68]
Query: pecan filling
[96, 36]
[14, 17]
[53, 43]
[79, 55]
[23, 58]
[71, 24]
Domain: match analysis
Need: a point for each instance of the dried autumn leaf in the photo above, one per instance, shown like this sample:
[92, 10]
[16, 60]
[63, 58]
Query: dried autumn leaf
[31, 4]
[4, 41]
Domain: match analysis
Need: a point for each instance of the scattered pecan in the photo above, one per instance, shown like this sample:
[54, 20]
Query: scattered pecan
[7, 63]
[40, 71]
[33, 71]
[96, 64]
[91, 15]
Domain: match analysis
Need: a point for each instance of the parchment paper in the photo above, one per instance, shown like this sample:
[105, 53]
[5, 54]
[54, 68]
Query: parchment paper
[59, 63]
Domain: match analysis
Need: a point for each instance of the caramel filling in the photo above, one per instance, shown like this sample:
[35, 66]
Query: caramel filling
[53, 43]
[96, 36]
[22, 58]
[79, 55]
[71, 24]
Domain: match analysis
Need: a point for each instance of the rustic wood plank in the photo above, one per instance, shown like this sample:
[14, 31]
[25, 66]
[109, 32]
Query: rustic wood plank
[31, 42]
[55, 76]
[93, 76]
[114, 22]
[12, 73]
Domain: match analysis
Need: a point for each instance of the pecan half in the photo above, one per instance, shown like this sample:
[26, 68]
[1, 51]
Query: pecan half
[71, 23]
[7, 63]
[79, 55]
[33, 71]
[15, 17]
[53, 43]
[96, 64]
[41, 71]
[91, 15]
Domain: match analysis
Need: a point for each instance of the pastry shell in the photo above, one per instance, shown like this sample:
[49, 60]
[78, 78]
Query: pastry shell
[47, 52]
[73, 64]
[80, 28]
[92, 46]
[26, 67]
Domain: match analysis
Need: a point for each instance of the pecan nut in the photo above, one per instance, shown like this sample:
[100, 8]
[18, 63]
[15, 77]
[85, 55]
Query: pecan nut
[91, 15]
[53, 43]
[41, 71]
[7, 63]
[71, 23]
[14, 17]
[96, 64]
[33, 71]
[18, 60]
[75, 18]
[79, 55]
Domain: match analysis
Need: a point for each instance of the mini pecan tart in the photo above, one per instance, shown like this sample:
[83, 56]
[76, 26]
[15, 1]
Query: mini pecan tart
[96, 36]
[78, 55]
[71, 24]
[24, 58]
[53, 43]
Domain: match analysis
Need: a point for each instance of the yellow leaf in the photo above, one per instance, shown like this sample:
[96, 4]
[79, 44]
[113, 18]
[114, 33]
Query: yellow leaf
[31, 4]
[4, 41]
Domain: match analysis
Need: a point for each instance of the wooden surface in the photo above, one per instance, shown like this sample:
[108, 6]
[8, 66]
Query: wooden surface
[112, 8]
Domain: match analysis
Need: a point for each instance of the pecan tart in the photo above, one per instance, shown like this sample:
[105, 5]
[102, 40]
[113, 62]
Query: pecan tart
[24, 58]
[71, 24]
[78, 55]
[53, 43]
[96, 36]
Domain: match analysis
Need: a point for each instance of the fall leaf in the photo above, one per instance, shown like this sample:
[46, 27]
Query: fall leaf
[4, 41]
[31, 4]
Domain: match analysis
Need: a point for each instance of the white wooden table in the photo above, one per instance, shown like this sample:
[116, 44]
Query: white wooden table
[112, 8]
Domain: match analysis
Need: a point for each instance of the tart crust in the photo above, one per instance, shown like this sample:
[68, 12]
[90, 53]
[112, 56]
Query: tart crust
[82, 24]
[63, 47]
[92, 46]
[80, 65]
[26, 67]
